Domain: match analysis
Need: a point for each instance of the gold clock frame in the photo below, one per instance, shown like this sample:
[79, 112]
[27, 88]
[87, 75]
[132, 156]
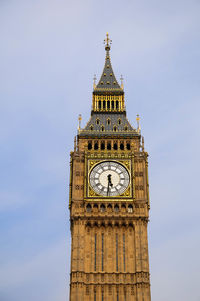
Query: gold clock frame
[127, 160]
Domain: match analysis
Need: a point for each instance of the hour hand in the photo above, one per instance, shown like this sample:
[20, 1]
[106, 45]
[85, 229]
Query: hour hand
[109, 181]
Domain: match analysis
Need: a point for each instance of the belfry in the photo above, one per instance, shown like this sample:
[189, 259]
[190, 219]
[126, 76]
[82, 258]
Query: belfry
[109, 201]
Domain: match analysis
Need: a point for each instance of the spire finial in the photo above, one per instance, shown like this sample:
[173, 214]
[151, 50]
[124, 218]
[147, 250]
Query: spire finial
[79, 121]
[107, 42]
[94, 81]
[122, 84]
[138, 123]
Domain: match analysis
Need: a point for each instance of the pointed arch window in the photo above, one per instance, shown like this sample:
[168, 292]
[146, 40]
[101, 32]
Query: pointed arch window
[115, 128]
[108, 121]
[96, 145]
[102, 145]
[89, 145]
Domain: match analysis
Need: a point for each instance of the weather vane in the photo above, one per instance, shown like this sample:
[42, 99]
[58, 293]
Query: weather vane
[107, 41]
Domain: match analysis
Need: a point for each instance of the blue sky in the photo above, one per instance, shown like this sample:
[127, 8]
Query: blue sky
[49, 53]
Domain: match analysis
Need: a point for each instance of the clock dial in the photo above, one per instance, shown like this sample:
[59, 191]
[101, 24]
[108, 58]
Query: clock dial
[109, 178]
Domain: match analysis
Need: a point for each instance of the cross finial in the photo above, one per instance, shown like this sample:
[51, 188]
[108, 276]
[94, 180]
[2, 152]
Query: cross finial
[107, 42]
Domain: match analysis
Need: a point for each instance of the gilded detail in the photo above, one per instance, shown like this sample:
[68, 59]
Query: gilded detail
[109, 200]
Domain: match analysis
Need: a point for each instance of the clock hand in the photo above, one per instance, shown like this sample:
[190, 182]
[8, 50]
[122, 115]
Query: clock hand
[110, 184]
[109, 180]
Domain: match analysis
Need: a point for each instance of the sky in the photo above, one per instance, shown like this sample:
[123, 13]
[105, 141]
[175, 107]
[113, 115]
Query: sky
[49, 53]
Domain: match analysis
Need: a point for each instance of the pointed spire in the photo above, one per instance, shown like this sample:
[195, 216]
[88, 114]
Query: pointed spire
[108, 80]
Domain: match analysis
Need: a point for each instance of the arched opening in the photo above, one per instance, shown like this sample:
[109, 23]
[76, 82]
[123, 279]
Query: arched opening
[123, 207]
[95, 207]
[102, 145]
[91, 127]
[97, 121]
[130, 208]
[89, 145]
[108, 104]
[119, 121]
[115, 146]
[115, 128]
[108, 121]
[126, 128]
[112, 104]
[108, 145]
[99, 104]
[96, 145]
[102, 208]
[102, 128]
[104, 104]
[116, 208]
[88, 208]
[117, 104]
[128, 146]
[122, 146]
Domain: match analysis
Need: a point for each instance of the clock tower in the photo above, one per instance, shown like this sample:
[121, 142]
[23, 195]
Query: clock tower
[109, 201]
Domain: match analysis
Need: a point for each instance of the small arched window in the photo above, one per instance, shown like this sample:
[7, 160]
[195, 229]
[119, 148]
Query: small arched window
[115, 146]
[97, 121]
[88, 208]
[96, 145]
[130, 208]
[126, 128]
[108, 145]
[115, 128]
[119, 121]
[108, 121]
[102, 145]
[89, 145]
[102, 208]
[102, 128]
[128, 146]
[122, 146]
[116, 208]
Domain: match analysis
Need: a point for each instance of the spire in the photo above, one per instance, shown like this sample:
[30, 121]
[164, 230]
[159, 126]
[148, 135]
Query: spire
[108, 80]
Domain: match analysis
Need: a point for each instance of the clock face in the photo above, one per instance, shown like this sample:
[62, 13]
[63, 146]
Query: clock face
[109, 178]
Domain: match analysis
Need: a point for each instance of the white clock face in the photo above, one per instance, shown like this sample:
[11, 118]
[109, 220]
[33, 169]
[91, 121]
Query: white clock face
[109, 178]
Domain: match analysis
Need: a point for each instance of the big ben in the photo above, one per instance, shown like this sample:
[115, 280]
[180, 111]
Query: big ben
[109, 200]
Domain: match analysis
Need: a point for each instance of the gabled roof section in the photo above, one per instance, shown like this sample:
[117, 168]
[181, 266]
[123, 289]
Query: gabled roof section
[108, 81]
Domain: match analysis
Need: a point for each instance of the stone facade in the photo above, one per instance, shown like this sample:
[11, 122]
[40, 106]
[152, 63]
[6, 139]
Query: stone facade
[109, 243]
